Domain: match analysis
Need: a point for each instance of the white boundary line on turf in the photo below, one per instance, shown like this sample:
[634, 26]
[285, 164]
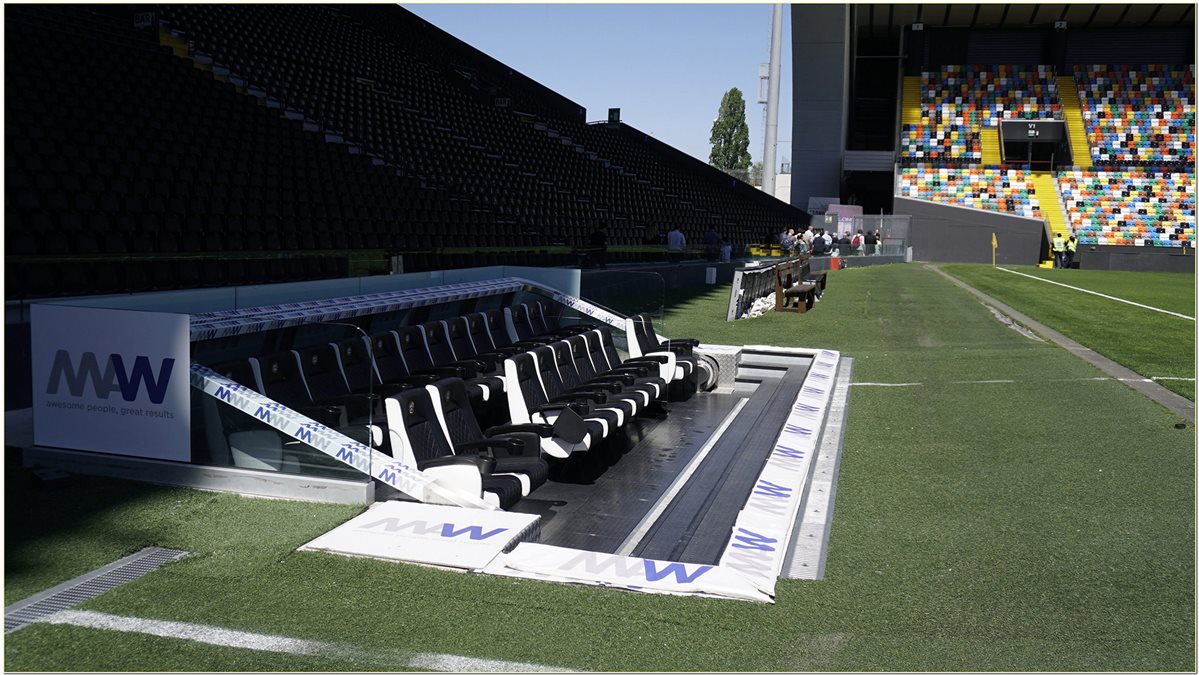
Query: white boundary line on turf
[224, 637]
[1109, 297]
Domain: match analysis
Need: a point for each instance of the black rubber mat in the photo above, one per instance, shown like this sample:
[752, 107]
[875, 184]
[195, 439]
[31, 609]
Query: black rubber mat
[598, 498]
[696, 525]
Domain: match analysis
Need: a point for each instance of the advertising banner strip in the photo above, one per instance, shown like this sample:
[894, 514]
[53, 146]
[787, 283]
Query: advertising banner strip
[760, 538]
[553, 563]
[429, 534]
[379, 466]
[210, 325]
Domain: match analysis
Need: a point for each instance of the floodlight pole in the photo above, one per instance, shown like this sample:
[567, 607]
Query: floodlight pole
[772, 102]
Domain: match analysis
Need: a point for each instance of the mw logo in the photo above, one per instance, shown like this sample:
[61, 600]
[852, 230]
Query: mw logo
[633, 568]
[114, 376]
[447, 530]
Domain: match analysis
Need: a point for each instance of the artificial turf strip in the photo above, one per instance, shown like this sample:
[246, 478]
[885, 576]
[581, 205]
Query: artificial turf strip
[1150, 343]
[1174, 292]
[1036, 526]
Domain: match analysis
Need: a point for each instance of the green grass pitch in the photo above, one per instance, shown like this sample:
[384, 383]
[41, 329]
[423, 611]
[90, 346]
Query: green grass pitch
[1041, 524]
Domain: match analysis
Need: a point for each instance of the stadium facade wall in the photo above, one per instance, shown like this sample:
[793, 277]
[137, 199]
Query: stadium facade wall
[944, 233]
[820, 99]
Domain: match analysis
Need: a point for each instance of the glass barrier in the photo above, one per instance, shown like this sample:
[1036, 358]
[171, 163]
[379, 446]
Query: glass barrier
[225, 435]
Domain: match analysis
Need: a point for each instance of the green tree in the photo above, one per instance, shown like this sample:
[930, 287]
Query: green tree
[730, 136]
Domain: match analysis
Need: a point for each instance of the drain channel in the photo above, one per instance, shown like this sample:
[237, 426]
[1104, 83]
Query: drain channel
[87, 586]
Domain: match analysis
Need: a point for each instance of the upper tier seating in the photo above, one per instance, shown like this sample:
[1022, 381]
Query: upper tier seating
[977, 96]
[1139, 115]
[1006, 190]
[950, 143]
[1130, 209]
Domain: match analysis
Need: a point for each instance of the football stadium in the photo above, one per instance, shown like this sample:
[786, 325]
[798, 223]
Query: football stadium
[334, 343]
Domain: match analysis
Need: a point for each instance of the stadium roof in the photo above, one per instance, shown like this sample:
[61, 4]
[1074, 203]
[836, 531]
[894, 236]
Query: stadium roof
[889, 17]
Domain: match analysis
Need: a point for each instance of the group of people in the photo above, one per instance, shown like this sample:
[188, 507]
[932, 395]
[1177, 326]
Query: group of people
[716, 247]
[817, 241]
[1063, 250]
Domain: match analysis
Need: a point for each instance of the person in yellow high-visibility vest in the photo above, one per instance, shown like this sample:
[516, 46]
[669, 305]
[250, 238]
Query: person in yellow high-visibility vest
[1059, 250]
[1071, 247]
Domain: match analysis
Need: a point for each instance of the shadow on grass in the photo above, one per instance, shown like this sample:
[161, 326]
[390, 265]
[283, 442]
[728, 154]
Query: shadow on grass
[42, 510]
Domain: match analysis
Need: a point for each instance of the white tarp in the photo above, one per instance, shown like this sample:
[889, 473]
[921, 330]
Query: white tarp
[553, 563]
[759, 541]
[429, 534]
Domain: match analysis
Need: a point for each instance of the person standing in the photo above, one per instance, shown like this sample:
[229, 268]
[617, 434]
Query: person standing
[598, 242]
[807, 236]
[871, 242]
[1071, 247]
[711, 245]
[1059, 250]
[675, 242]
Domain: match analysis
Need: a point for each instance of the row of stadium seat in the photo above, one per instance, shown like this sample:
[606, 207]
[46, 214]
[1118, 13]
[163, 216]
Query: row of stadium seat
[950, 144]
[982, 95]
[1130, 209]
[1006, 190]
[1139, 115]
[419, 392]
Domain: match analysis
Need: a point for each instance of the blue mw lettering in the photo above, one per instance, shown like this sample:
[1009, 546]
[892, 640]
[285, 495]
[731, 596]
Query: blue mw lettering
[679, 570]
[224, 394]
[386, 475]
[474, 531]
[89, 369]
[784, 451]
[394, 525]
[131, 383]
[753, 540]
[768, 489]
[751, 562]
[263, 414]
[304, 435]
[593, 564]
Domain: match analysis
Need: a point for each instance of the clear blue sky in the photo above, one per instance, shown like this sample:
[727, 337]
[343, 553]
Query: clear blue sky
[665, 66]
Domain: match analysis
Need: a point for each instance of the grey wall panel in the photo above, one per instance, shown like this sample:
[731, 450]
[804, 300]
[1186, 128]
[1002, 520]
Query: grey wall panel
[943, 233]
[820, 57]
[1136, 259]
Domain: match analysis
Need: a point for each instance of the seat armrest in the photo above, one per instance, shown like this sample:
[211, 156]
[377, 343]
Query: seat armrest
[606, 386]
[580, 407]
[446, 371]
[487, 446]
[542, 430]
[484, 464]
[593, 396]
[616, 376]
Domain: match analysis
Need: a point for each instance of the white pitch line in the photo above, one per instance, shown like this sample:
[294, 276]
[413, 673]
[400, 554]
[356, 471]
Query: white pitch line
[886, 384]
[1184, 379]
[1109, 297]
[224, 637]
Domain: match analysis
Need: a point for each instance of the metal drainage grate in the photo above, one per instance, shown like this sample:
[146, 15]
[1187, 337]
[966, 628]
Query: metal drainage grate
[87, 586]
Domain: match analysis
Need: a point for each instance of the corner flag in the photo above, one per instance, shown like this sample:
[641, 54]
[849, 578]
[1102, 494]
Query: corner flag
[994, 245]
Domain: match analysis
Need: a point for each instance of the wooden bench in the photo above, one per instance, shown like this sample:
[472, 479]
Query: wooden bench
[791, 292]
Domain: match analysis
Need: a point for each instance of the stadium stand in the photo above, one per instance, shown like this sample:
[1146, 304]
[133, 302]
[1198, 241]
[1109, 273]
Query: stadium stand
[1123, 208]
[1006, 190]
[1139, 115]
[1139, 122]
[230, 145]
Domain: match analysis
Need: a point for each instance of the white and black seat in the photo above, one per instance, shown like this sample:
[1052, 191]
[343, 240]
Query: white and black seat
[639, 329]
[481, 372]
[279, 378]
[418, 439]
[574, 430]
[629, 403]
[515, 448]
[650, 388]
[547, 325]
[415, 353]
[663, 364]
[389, 362]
